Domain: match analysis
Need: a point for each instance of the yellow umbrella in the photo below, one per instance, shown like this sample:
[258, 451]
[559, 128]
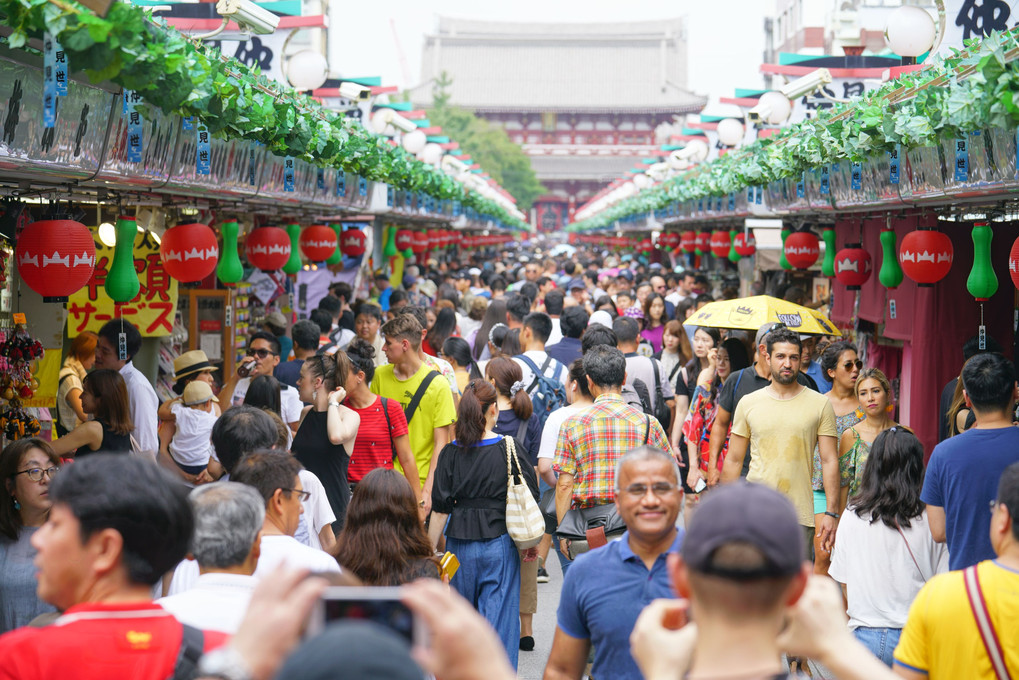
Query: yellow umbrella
[753, 312]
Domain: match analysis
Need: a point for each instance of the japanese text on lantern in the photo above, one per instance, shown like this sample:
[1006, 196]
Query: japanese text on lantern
[152, 311]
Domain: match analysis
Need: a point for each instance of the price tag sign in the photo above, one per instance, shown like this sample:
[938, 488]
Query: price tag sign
[134, 126]
[122, 346]
[800, 186]
[856, 178]
[20, 319]
[320, 179]
[203, 150]
[892, 312]
[893, 164]
[189, 123]
[228, 317]
[825, 181]
[288, 173]
[962, 160]
[982, 337]
[362, 186]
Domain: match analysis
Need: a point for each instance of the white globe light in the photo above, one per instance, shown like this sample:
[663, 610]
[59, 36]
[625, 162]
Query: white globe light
[642, 181]
[730, 132]
[699, 150]
[432, 153]
[307, 70]
[414, 142]
[910, 31]
[380, 121]
[779, 105]
[108, 234]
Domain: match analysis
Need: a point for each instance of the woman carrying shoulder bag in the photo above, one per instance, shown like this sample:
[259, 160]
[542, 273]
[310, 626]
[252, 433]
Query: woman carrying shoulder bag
[470, 489]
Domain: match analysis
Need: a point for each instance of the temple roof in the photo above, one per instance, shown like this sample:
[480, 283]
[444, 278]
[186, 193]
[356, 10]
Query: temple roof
[637, 66]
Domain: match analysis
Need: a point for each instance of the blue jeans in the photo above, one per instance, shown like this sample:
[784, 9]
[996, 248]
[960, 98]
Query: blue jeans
[564, 562]
[880, 641]
[489, 578]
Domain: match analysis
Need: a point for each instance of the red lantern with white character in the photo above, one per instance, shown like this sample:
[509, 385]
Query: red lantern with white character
[720, 244]
[853, 266]
[352, 243]
[1013, 263]
[645, 246]
[189, 252]
[55, 257]
[419, 243]
[926, 256]
[267, 248]
[703, 243]
[404, 239]
[745, 244]
[688, 241]
[802, 248]
[318, 242]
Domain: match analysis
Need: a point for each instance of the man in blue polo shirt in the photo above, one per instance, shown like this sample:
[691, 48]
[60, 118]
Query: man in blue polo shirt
[606, 589]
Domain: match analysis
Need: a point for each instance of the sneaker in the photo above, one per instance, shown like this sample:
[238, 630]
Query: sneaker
[527, 644]
[542, 575]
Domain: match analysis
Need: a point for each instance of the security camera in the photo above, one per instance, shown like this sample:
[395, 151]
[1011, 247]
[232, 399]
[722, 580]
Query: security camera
[354, 91]
[248, 16]
[808, 84]
[760, 113]
[402, 124]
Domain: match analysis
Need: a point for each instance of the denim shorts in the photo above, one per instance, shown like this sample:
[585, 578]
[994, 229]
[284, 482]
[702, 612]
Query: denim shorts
[880, 641]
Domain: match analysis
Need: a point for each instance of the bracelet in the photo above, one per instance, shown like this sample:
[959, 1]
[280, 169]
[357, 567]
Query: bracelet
[832, 514]
[334, 403]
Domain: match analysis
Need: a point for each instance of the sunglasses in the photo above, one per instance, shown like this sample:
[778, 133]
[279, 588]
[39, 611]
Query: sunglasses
[849, 365]
[261, 353]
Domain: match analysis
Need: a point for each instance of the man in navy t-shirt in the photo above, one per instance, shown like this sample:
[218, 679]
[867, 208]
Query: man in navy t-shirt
[963, 473]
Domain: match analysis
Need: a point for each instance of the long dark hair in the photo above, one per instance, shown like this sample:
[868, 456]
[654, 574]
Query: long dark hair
[892, 479]
[10, 461]
[264, 393]
[496, 313]
[459, 351]
[506, 372]
[647, 310]
[109, 389]
[510, 346]
[382, 541]
[444, 326]
[738, 360]
[693, 367]
[477, 398]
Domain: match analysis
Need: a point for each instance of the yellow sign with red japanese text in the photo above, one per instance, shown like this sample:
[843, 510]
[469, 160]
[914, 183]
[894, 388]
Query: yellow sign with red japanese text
[151, 311]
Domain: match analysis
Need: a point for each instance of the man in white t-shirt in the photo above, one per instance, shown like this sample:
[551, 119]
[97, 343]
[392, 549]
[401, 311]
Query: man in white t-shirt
[225, 545]
[263, 356]
[533, 336]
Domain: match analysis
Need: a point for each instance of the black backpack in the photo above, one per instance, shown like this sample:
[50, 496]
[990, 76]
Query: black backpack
[547, 394]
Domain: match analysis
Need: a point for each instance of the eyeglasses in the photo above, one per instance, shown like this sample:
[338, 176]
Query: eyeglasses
[261, 353]
[305, 496]
[35, 474]
[659, 489]
[849, 365]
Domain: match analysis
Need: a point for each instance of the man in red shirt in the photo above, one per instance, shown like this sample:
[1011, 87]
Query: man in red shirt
[117, 524]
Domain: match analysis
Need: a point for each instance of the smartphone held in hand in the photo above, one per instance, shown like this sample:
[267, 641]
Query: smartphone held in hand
[381, 605]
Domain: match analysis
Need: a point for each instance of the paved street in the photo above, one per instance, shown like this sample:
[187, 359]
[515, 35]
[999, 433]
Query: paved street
[532, 664]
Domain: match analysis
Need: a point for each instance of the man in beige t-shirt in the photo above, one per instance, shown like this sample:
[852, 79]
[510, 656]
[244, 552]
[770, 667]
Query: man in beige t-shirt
[782, 423]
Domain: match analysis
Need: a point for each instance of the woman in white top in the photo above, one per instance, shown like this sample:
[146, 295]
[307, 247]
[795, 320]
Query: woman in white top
[80, 359]
[885, 553]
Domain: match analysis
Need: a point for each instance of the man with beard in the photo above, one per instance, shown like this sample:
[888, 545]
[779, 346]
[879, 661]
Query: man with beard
[781, 423]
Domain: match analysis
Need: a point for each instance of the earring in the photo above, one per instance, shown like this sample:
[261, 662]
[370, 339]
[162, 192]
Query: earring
[17, 505]
[314, 395]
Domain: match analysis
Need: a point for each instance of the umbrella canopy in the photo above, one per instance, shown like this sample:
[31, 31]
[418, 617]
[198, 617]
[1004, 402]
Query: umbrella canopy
[753, 312]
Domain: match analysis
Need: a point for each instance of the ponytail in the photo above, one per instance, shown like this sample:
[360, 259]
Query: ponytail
[521, 404]
[477, 398]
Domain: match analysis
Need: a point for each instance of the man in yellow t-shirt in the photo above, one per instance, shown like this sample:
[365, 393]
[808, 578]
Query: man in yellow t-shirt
[781, 424]
[428, 425]
[941, 640]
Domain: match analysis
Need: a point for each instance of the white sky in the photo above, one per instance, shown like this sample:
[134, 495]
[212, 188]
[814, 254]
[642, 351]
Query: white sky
[725, 38]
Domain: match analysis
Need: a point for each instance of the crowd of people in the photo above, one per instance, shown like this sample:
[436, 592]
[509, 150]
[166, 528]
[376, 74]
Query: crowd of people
[697, 485]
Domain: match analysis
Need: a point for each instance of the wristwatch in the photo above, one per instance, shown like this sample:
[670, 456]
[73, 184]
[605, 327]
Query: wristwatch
[832, 514]
[224, 663]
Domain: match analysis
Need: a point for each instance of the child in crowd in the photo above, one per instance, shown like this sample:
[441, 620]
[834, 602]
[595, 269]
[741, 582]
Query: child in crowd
[193, 417]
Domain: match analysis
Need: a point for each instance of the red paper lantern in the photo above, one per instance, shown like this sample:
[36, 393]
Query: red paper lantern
[853, 266]
[318, 242]
[55, 257]
[419, 243]
[802, 248]
[268, 248]
[645, 246]
[352, 243]
[703, 243]
[189, 252]
[1013, 263]
[688, 241]
[434, 238]
[404, 237]
[746, 244]
[669, 240]
[720, 244]
[926, 256]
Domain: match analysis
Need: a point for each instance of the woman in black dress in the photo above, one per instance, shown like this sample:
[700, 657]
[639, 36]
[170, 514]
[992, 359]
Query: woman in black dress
[325, 436]
[104, 397]
[470, 490]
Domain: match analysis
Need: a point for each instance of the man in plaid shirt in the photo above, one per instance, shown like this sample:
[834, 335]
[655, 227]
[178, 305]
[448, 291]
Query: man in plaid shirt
[592, 441]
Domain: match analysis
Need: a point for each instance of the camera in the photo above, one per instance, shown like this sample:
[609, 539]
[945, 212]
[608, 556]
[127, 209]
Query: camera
[379, 604]
[807, 84]
[354, 91]
[248, 16]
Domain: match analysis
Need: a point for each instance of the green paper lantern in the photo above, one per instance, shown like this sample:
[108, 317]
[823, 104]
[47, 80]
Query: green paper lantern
[890, 275]
[784, 263]
[828, 265]
[229, 270]
[389, 250]
[408, 253]
[122, 280]
[734, 257]
[337, 256]
[293, 265]
[982, 283]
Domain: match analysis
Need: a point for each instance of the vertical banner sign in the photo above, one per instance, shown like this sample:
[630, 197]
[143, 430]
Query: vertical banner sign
[825, 181]
[49, 87]
[893, 164]
[341, 183]
[750, 190]
[362, 186]
[189, 123]
[288, 173]
[732, 201]
[856, 181]
[134, 126]
[251, 164]
[700, 205]
[892, 313]
[203, 160]
[457, 208]
[961, 159]
[59, 68]
[390, 195]
[759, 196]
[800, 188]
[320, 179]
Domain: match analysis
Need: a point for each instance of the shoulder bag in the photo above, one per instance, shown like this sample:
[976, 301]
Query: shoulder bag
[524, 522]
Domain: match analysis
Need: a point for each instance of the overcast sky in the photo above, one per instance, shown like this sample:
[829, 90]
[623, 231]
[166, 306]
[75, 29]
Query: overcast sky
[725, 37]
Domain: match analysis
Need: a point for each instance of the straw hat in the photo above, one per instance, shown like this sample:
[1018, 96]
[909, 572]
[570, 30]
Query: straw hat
[198, 392]
[190, 363]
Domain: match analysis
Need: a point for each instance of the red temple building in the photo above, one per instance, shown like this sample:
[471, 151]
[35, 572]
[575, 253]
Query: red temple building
[583, 100]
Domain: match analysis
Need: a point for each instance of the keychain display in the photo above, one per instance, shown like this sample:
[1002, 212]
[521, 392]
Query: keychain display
[18, 350]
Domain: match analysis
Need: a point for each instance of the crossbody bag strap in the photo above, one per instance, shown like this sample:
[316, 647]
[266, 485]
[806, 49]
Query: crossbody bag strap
[389, 425]
[415, 401]
[192, 646]
[647, 431]
[911, 555]
[984, 624]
